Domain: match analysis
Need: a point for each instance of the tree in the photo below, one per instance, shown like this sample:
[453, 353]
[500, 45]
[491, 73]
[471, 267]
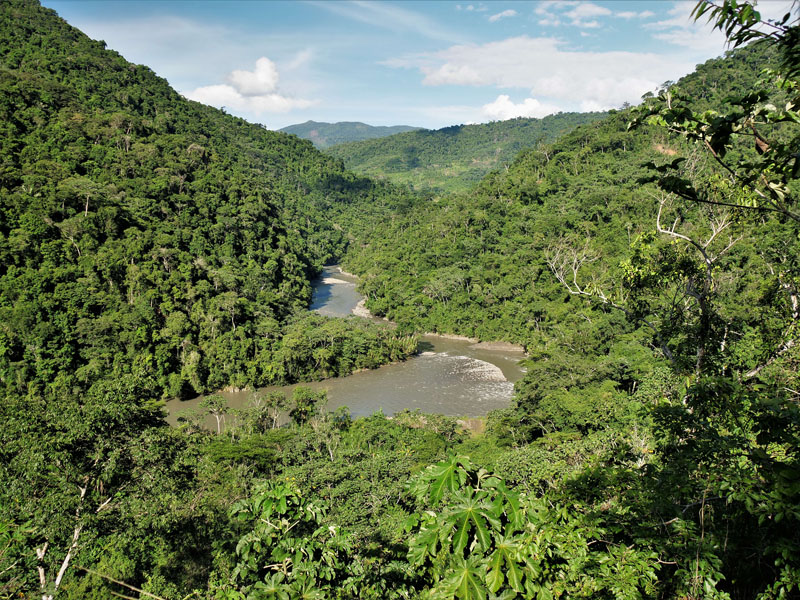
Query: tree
[305, 404]
[729, 440]
[761, 176]
[477, 538]
[216, 406]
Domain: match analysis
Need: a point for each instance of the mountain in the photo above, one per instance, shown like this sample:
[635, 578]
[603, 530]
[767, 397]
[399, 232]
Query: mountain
[144, 233]
[454, 158]
[324, 135]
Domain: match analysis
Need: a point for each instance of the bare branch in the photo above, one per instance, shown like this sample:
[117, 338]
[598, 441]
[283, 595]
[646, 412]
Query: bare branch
[565, 263]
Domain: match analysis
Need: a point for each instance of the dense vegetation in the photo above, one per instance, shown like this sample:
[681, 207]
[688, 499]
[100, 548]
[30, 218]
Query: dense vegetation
[455, 158]
[648, 262]
[323, 135]
[142, 232]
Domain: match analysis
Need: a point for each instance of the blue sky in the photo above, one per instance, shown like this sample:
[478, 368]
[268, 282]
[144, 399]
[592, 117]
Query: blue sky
[429, 64]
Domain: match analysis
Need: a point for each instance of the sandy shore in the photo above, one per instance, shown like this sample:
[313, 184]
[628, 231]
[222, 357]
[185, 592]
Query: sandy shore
[499, 346]
[336, 280]
[452, 336]
[361, 311]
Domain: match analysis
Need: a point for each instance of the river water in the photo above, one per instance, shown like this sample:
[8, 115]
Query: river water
[448, 376]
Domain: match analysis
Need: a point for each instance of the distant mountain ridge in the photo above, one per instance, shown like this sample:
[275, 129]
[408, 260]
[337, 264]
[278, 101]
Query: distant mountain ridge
[454, 158]
[324, 135]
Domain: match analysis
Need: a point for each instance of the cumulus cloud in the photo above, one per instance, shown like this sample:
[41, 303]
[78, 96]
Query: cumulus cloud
[556, 76]
[585, 11]
[263, 80]
[502, 15]
[253, 91]
[503, 108]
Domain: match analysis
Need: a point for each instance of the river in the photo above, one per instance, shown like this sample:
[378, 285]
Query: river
[448, 376]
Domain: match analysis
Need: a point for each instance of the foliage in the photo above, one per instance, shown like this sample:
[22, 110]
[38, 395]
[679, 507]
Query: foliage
[455, 158]
[141, 230]
[152, 247]
[489, 540]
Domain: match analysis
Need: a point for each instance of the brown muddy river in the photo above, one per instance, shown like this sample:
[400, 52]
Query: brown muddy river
[448, 376]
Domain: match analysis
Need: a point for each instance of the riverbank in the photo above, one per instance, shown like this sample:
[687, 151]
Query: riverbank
[360, 310]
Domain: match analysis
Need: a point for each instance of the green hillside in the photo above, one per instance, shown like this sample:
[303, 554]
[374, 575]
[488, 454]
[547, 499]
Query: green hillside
[560, 252]
[144, 234]
[454, 158]
[324, 135]
[483, 263]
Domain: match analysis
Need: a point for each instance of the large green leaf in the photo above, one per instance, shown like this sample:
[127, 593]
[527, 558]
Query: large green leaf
[472, 514]
[506, 552]
[447, 476]
[465, 582]
[506, 502]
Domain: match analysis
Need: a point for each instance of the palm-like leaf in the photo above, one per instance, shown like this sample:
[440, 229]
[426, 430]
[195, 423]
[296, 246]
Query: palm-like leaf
[506, 552]
[465, 581]
[447, 476]
[472, 512]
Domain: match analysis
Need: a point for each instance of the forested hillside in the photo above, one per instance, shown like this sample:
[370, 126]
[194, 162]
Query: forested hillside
[637, 270]
[500, 261]
[153, 246]
[143, 232]
[324, 135]
[454, 158]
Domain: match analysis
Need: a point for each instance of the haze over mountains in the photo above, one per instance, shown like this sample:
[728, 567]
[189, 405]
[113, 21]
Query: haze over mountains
[324, 135]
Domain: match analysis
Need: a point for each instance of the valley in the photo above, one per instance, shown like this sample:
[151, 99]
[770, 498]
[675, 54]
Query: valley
[447, 376]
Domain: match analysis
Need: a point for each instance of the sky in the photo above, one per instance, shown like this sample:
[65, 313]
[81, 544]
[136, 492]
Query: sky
[422, 63]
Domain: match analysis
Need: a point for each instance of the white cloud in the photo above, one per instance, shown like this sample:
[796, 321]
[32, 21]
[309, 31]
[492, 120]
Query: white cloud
[548, 7]
[502, 15]
[503, 108]
[394, 18]
[586, 10]
[549, 22]
[554, 75]
[263, 80]
[681, 30]
[629, 14]
[254, 91]
[226, 96]
[580, 14]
